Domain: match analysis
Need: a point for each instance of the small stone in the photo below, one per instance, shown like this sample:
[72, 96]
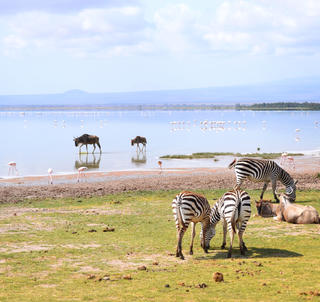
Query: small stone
[181, 283]
[218, 277]
[142, 268]
[107, 229]
[127, 277]
[79, 200]
[167, 285]
[92, 231]
[264, 284]
[90, 277]
[202, 285]
[155, 263]
[74, 232]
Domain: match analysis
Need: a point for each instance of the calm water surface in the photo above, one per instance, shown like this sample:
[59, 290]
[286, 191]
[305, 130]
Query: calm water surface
[37, 140]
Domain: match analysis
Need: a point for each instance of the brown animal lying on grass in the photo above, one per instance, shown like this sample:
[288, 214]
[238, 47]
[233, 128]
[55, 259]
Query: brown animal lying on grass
[266, 208]
[295, 213]
[287, 211]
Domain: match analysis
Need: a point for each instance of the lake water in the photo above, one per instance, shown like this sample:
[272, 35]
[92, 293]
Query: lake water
[38, 140]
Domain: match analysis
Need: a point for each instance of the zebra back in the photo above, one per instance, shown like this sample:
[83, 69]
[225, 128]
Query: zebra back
[231, 206]
[189, 206]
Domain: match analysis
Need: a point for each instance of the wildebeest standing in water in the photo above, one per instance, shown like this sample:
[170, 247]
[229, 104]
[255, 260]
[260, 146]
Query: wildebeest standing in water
[87, 139]
[139, 140]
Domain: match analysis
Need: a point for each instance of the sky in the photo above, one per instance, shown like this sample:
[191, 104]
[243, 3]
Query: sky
[52, 46]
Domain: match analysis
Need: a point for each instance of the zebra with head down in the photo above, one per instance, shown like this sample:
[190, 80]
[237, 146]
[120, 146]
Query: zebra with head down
[262, 170]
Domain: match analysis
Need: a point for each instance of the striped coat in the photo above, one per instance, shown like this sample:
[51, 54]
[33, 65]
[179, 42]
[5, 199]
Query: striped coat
[234, 209]
[189, 207]
[262, 170]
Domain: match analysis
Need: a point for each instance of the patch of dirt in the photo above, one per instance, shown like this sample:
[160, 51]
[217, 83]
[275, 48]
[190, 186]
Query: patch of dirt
[219, 178]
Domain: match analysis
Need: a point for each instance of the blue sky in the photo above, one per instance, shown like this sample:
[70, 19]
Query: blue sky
[50, 46]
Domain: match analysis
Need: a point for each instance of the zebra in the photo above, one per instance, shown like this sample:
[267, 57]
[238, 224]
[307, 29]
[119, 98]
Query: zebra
[192, 207]
[262, 170]
[235, 210]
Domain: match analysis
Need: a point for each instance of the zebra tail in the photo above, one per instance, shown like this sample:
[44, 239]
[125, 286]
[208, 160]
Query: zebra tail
[234, 216]
[232, 164]
[179, 213]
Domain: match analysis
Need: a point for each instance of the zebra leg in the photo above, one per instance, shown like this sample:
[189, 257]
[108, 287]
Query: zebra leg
[223, 246]
[231, 239]
[264, 189]
[192, 237]
[241, 244]
[179, 245]
[274, 186]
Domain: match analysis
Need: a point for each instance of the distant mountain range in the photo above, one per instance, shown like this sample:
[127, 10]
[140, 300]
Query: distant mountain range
[292, 90]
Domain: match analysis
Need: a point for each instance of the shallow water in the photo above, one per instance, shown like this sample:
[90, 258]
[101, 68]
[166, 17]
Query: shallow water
[37, 140]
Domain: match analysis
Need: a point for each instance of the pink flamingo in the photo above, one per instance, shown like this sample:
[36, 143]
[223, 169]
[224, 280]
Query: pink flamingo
[290, 161]
[50, 172]
[12, 168]
[160, 165]
[284, 157]
[81, 171]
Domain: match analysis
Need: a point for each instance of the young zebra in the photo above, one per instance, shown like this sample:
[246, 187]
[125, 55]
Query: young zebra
[192, 207]
[262, 170]
[234, 209]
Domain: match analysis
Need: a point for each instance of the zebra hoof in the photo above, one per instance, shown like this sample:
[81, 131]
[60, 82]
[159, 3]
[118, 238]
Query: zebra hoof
[182, 257]
[242, 252]
[229, 255]
[223, 246]
[244, 247]
[191, 253]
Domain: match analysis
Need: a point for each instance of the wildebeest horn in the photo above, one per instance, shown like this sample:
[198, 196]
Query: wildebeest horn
[296, 182]
[289, 191]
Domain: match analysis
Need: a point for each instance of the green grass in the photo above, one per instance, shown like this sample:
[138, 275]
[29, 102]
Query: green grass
[213, 154]
[49, 252]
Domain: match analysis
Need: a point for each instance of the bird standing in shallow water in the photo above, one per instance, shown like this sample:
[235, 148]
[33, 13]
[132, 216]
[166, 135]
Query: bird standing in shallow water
[81, 171]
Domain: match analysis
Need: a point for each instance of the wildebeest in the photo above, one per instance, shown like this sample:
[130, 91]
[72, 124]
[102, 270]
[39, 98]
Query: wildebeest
[266, 208]
[139, 140]
[295, 213]
[86, 140]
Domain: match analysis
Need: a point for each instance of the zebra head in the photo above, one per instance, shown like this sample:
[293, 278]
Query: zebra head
[291, 191]
[210, 232]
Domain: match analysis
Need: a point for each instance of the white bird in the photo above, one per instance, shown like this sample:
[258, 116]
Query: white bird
[12, 167]
[81, 171]
[50, 172]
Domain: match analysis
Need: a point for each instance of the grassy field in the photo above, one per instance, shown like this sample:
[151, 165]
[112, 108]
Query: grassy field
[67, 250]
[214, 154]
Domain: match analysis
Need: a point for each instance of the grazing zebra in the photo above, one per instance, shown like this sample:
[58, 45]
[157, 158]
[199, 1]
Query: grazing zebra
[192, 207]
[234, 209]
[262, 170]
[139, 140]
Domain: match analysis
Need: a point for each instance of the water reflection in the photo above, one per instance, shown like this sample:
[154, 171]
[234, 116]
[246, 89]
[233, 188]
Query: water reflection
[88, 160]
[140, 158]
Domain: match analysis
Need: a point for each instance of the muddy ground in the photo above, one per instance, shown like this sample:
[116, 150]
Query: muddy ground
[189, 179]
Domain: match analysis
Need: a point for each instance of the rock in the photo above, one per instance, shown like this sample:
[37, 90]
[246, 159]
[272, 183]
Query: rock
[167, 285]
[218, 277]
[155, 263]
[107, 229]
[127, 277]
[142, 268]
[202, 285]
[90, 277]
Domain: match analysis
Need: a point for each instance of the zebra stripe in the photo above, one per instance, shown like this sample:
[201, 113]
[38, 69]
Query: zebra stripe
[262, 170]
[189, 207]
[234, 209]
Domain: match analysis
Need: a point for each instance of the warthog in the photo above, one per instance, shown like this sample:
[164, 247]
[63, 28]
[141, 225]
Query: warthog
[86, 140]
[295, 213]
[139, 140]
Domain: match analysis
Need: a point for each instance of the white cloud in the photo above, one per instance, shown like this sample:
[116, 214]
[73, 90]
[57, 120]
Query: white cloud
[254, 27]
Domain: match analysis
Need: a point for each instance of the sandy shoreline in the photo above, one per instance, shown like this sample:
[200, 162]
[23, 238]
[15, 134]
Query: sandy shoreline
[103, 183]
